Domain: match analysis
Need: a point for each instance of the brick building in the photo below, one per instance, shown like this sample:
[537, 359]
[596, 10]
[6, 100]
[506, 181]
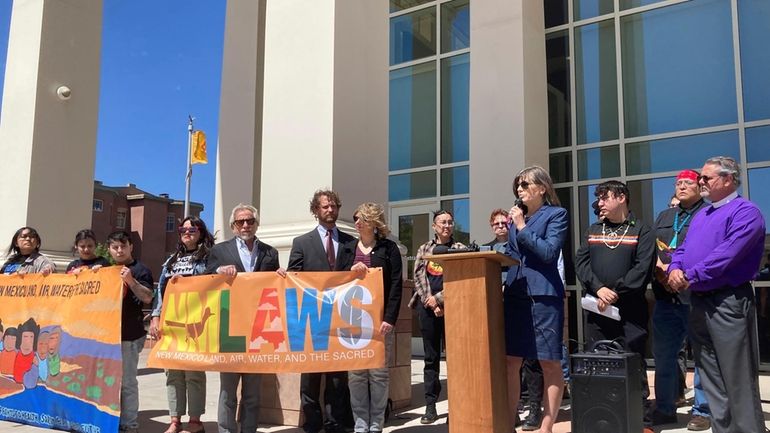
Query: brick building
[151, 220]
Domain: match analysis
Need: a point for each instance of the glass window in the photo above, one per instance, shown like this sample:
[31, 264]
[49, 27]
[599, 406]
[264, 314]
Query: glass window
[628, 4]
[565, 197]
[413, 36]
[592, 8]
[587, 215]
[455, 98]
[120, 219]
[650, 197]
[455, 25]
[555, 12]
[454, 180]
[170, 222]
[675, 154]
[759, 179]
[462, 216]
[678, 68]
[412, 126]
[399, 5]
[596, 91]
[421, 184]
[413, 232]
[754, 19]
[758, 144]
[600, 162]
[557, 64]
[560, 167]
[98, 205]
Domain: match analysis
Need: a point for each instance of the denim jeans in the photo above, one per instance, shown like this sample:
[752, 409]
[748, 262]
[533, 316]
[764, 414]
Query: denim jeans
[369, 393]
[669, 327]
[183, 388]
[129, 387]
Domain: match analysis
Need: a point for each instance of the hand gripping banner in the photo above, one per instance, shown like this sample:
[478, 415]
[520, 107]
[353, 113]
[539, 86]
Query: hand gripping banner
[264, 323]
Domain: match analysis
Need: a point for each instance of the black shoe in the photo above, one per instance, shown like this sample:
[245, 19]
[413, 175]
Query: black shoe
[518, 421]
[660, 418]
[430, 415]
[533, 419]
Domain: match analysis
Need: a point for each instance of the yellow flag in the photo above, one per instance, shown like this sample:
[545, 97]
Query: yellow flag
[199, 148]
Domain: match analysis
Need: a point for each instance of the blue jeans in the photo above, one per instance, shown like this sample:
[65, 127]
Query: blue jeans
[669, 327]
[129, 387]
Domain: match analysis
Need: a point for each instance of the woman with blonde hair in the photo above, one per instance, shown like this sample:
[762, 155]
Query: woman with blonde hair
[369, 388]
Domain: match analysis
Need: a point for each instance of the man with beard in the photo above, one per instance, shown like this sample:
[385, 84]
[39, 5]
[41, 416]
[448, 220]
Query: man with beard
[717, 262]
[324, 248]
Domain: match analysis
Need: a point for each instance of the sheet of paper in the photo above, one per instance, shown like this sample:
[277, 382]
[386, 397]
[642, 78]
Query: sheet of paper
[591, 303]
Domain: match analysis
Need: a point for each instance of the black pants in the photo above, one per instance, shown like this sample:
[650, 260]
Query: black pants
[723, 332]
[336, 395]
[432, 329]
[532, 376]
[633, 338]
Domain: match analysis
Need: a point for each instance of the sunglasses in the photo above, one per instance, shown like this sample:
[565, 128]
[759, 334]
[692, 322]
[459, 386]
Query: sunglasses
[706, 179]
[356, 218]
[523, 184]
[241, 222]
[190, 230]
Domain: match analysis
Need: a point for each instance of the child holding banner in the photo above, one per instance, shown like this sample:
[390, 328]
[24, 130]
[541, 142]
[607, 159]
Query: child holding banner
[184, 387]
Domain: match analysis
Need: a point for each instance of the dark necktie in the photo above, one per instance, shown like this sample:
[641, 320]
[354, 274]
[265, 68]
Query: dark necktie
[330, 250]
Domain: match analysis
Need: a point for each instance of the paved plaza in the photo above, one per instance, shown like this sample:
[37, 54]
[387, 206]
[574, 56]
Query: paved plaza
[154, 418]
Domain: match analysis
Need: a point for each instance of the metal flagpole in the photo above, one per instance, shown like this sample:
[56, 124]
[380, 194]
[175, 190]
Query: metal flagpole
[188, 177]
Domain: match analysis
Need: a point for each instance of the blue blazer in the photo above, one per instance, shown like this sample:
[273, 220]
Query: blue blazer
[537, 246]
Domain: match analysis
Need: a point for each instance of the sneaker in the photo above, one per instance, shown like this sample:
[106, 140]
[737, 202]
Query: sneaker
[699, 423]
[430, 415]
[660, 418]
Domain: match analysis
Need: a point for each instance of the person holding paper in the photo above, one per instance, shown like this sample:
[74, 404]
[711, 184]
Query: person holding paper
[614, 264]
[533, 295]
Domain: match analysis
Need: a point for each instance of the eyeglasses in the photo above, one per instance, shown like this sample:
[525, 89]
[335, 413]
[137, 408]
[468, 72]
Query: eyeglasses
[685, 182]
[448, 223]
[241, 222]
[189, 230]
[356, 218]
[26, 236]
[498, 224]
[706, 179]
[523, 184]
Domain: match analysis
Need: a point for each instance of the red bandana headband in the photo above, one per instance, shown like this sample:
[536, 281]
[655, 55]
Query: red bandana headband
[687, 174]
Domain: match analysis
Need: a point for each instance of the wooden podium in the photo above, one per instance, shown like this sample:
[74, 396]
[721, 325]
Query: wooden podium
[475, 341]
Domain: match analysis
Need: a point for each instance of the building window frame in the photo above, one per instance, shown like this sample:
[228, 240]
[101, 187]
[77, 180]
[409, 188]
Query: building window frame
[121, 217]
[170, 222]
[98, 205]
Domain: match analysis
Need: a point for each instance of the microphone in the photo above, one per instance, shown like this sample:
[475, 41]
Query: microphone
[440, 249]
[520, 204]
[443, 249]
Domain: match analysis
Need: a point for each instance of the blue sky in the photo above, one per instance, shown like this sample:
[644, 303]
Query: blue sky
[169, 54]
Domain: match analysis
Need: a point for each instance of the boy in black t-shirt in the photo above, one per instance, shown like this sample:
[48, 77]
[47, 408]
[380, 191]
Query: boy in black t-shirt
[137, 290]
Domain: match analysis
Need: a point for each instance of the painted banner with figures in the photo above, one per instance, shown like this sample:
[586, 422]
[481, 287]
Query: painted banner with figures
[262, 322]
[60, 359]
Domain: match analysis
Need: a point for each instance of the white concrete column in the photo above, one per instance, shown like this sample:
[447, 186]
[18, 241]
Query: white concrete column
[324, 116]
[48, 142]
[508, 102]
[239, 146]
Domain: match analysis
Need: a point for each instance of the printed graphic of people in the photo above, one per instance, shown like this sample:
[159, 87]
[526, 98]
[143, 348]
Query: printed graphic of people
[41, 358]
[8, 355]
[54, 361]
[25, 356]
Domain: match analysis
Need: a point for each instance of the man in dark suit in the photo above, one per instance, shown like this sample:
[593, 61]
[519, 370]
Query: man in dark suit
[243, 253]
[324, 248]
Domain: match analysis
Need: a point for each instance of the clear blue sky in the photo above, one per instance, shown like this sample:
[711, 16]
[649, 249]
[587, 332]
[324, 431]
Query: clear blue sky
[169, 54]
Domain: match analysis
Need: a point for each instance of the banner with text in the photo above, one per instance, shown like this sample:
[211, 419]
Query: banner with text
[60, 359]
[261, 322]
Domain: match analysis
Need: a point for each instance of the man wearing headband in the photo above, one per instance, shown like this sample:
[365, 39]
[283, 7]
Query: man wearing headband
[672, 309]
[717, 263]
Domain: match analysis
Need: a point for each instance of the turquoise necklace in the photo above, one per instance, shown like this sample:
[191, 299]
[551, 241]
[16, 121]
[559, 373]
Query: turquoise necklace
[678, 228]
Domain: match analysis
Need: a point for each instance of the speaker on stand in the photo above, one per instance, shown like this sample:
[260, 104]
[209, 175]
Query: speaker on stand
[606, 392]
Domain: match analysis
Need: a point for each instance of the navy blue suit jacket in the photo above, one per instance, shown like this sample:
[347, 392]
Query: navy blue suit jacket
[537, 246]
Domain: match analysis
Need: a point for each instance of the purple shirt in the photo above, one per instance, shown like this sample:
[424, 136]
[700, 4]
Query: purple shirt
[724, 246]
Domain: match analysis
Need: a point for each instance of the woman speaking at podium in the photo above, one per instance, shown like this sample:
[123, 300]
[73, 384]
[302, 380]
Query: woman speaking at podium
[534, 293]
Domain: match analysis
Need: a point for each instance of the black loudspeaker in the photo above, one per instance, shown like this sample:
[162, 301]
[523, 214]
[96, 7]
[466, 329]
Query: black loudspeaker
[606, 393]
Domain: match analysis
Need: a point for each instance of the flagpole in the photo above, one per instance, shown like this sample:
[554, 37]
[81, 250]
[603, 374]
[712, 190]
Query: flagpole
[188, 177]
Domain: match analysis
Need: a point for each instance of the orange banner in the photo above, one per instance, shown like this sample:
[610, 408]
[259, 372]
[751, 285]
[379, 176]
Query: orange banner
[263, 323]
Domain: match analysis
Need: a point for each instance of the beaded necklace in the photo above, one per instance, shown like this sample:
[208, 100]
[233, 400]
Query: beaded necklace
[613, 235]
[678, 228]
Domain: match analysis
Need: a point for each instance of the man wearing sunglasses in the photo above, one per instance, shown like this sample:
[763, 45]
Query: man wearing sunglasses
[717, 262]
[243, 253]
[325, 248]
